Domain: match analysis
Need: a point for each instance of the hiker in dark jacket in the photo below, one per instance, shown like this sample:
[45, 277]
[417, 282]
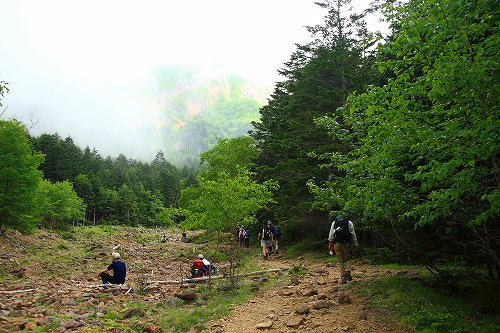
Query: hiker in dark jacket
[119, 271]
[343, 237]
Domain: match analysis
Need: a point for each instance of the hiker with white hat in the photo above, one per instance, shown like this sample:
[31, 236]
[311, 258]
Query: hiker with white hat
[119, 271]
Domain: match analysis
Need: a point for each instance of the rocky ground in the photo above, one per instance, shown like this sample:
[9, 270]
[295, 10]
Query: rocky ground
[48, 283]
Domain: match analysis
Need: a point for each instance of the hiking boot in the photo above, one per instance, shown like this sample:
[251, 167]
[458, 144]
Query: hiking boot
[348, 275]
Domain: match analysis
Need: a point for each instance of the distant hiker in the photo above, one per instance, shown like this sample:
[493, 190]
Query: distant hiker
[119, 271]
[241, 235]
[265, 237]
[276, 236]
[184, 238]
[247, 237]
[342, 236]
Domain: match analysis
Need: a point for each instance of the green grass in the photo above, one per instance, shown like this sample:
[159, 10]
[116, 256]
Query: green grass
[427, 310]
[214, 301]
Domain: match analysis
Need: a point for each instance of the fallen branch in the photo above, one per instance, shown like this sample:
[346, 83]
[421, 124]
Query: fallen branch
[16, 291]
[204, 278]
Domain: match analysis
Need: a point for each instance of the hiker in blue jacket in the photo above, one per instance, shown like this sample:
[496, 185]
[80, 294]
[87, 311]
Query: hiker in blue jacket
[119, 271]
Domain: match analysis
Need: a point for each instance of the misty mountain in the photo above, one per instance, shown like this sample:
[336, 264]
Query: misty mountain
[194, 109]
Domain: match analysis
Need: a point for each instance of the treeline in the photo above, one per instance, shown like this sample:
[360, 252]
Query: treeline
[49, 181]
[401, 137]
[115, 190]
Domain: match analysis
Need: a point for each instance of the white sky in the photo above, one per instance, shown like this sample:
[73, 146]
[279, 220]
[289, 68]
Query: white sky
[79, 66]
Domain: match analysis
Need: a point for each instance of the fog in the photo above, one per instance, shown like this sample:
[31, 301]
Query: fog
[85, 68]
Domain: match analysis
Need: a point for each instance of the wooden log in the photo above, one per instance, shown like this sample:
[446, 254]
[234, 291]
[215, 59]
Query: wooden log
[204, 278]
[16, 291]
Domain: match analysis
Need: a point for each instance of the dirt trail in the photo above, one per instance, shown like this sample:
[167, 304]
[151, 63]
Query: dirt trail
[315, 302]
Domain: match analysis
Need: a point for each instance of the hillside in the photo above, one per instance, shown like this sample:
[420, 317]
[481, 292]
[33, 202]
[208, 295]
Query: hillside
[45, 279]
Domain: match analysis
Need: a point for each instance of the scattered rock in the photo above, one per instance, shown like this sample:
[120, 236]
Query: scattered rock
[295, 321]
[343, 298]
[68, 301]
[322, 296]
[133, 312]
[311, 292]
[264, 325]
[301, 308]
[27, 325]
[322, 304]
[294, 280]
[152, 328]
[186, 296]
[321, 271]
[363, 315]
[71, 324]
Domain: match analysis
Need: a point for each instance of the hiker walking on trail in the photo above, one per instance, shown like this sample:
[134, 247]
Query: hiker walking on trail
[343, 237]
[119, 271]
[265, 237]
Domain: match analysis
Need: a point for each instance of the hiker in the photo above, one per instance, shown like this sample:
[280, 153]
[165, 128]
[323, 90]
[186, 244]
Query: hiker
[265, 237]
[200, 267]
[276, 237]
[342, 236]
[184, 238]
[241, 235]
[119, 271]
[247, 237]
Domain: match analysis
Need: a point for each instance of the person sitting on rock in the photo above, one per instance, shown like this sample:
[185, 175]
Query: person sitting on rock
[119, 271]
[200, 267]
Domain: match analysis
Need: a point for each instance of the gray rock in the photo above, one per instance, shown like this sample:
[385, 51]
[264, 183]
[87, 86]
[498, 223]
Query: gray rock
[301, 308]
[322, 304]
[71, 324]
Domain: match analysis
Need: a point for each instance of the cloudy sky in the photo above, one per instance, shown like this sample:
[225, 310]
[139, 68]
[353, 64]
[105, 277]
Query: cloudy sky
[82, 68]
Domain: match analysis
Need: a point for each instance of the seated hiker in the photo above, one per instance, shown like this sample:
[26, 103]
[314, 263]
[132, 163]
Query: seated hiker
[200, 267]
[119, 271]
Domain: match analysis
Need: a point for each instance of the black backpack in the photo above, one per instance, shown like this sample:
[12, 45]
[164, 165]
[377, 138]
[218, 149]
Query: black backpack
[342, 233]
[266, 232]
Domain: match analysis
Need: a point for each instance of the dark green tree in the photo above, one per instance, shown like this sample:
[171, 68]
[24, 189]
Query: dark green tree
[319, 77]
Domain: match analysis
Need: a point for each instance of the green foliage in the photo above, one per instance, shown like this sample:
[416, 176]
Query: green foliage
[224, 202]
[229, 154]
[297, 270]
[19, 178]
[426, 309]
[422, 158]
[59, 204]
[226, 194]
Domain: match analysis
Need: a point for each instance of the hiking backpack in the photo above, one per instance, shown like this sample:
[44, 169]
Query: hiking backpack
[266, 232]
[342, 233]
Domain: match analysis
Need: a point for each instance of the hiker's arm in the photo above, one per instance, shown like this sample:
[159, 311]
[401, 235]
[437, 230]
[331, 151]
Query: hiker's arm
[353, 233]
[331, 233]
